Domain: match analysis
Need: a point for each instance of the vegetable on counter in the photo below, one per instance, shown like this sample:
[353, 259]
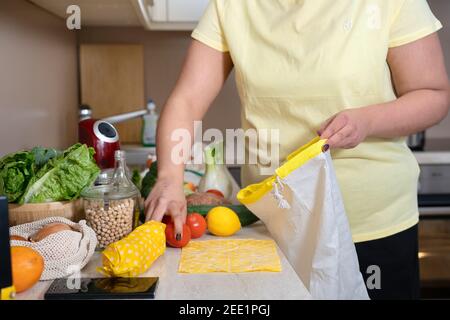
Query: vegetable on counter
[64, 177]
[172, 241]
[204, 198]
[16, 171]
[136, 178]
[17, 238]
[216, 176]
[43, 155]
[46, 175]
[246, 217]
[216, 192]
[149, 180]
[197, 224]
[49, 229]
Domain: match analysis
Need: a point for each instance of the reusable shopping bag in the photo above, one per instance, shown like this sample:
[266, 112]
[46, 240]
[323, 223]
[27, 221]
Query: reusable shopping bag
[302, 207]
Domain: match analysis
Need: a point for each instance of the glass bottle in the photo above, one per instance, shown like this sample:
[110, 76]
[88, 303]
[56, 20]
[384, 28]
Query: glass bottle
[113, 209]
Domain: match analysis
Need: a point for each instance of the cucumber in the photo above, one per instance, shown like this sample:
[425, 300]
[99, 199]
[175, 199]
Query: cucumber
[245, 216]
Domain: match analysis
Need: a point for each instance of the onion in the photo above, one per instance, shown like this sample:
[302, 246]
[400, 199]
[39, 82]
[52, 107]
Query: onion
[17, 238]
[48, 230]
[216, 174]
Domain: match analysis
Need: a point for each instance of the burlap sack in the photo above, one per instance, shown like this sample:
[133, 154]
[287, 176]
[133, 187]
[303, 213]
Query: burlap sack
[64, 252]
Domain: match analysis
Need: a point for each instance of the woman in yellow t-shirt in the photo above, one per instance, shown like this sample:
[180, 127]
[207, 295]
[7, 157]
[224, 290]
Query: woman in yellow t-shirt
[362, 74]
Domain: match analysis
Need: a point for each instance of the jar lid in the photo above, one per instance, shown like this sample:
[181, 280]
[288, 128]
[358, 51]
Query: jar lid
[110, 192]
[105, 177]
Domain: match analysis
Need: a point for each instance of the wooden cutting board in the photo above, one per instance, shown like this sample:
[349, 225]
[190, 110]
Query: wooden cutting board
[112, 82]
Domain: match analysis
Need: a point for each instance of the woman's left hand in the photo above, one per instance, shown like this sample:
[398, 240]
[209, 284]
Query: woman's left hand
[347, 129]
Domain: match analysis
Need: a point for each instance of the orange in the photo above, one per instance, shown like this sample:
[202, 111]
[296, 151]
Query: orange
[27, 267]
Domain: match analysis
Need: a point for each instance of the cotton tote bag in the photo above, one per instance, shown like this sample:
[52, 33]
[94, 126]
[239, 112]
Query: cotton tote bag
[302, 207]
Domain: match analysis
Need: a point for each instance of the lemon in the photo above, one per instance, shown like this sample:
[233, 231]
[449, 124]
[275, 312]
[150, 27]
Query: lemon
[223, 222]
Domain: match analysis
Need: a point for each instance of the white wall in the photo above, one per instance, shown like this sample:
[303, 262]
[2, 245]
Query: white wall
[38, 78]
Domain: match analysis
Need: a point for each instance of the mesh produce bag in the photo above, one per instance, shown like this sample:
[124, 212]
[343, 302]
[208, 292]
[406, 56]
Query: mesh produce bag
[302, 208]
[64, 252]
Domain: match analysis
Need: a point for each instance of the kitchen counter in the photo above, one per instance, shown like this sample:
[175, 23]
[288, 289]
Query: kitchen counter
[282, 285]
[436, 152]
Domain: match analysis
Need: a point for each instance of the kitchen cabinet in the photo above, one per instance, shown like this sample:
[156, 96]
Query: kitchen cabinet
[112, 82]
[151, 14]
[170, 14]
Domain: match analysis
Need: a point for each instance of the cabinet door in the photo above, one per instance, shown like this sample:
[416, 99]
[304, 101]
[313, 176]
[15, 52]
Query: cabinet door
[112, 82]
[186, 11]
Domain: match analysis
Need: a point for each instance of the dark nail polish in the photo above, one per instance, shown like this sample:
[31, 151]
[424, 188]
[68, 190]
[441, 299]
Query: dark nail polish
[178, 237]
[325, 148]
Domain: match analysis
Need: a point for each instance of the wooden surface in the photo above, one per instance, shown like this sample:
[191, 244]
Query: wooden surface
[112, 82]
[19, 214]
[282, 285]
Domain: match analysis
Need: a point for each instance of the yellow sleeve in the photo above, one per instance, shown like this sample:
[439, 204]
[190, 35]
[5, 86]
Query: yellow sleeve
[209, 30]
[412, 21]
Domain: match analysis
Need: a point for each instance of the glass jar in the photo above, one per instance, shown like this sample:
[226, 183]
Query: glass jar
[112, 209]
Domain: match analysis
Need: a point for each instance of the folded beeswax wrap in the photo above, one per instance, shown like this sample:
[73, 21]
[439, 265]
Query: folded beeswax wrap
[135, 253]
[233, 256]
[302, 207]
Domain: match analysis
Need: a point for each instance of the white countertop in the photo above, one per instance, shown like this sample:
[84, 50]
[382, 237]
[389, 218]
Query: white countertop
[433, 157]
[437, 151]
[282, 285]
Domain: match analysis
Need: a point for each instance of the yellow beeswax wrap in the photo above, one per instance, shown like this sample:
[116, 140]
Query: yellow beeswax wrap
[135, 253]
[233, 256]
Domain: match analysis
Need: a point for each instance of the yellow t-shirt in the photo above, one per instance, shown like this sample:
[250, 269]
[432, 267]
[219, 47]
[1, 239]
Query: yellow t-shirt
[298, 62]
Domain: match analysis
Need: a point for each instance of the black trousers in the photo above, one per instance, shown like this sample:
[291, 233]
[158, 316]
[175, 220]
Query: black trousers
[390, 266]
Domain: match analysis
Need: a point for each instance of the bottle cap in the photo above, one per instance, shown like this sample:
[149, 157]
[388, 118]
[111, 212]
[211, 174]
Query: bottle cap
[119, 155]
[151, 106]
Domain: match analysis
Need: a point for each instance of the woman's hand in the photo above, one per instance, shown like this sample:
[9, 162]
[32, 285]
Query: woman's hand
[204, 72]
[347, 129]
[167, 198]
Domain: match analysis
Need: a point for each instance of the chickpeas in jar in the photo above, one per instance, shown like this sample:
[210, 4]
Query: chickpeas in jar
[112, 209]
[111, 222]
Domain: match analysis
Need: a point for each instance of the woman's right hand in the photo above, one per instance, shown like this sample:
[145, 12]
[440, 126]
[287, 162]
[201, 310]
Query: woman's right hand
[167, 198]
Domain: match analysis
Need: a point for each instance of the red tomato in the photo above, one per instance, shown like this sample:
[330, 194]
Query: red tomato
[216, 192]
[172, 241]
[197, 224]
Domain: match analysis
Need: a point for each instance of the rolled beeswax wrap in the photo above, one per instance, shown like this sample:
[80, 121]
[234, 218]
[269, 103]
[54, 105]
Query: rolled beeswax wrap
[135, 253]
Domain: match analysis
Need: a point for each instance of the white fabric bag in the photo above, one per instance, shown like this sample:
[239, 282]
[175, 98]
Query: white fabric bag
[302, 208]
[64, 252]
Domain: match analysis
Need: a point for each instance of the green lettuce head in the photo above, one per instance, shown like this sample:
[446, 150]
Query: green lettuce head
[16, 171]
[64, 177]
